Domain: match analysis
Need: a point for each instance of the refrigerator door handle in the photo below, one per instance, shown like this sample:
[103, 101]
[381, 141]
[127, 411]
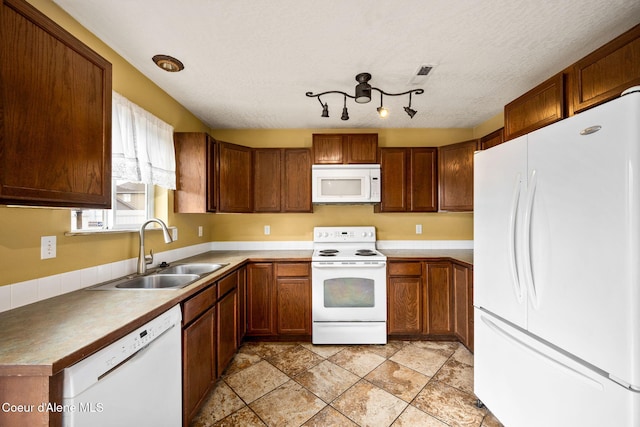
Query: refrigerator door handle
[511, 245]
[559, 364]
[528, 267]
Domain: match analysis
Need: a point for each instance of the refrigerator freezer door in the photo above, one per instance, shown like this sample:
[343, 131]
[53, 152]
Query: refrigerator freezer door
[584, 237]
[528, 384]
[499, 189]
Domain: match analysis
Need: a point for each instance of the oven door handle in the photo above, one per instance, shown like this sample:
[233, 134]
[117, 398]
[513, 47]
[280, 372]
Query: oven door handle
[349, 265]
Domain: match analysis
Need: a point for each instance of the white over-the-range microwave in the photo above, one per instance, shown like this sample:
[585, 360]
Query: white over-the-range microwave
[345, 183]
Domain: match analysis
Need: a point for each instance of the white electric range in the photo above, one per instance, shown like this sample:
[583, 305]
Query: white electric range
[349, 287]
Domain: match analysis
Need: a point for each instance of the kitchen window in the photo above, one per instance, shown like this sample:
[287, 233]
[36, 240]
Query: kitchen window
[132, 205]
[142, 155]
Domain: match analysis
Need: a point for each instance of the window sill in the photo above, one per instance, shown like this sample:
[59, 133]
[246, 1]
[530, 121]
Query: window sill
[112, 231]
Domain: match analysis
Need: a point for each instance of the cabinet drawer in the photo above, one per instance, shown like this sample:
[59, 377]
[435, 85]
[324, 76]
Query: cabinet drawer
[405, 268]
[292, 269]
[227, 283]
[198, 304]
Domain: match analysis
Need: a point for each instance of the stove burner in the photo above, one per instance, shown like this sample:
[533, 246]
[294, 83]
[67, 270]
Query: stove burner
[365, 252]
[328, 252]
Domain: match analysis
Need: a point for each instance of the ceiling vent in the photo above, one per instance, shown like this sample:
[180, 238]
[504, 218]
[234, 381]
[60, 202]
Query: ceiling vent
[421, 74]
[424, 70]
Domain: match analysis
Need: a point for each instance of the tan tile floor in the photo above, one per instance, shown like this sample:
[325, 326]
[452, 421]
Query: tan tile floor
[402, 383]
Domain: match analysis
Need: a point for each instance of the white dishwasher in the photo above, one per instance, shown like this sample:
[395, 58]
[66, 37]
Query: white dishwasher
[136, 381]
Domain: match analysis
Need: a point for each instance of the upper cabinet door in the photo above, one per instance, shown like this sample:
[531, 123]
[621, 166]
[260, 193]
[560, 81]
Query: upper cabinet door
[423, 179]
[338, 149]
[605, 73]
[236, 178]
[195, 173]
[361, 148]
[55, 114]
[296, 182]
[327, 149]
[267, 179]
[394, 168]
[539, 107]
[455, 172]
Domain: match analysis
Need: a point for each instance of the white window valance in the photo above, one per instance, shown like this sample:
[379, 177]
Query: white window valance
[142, 145]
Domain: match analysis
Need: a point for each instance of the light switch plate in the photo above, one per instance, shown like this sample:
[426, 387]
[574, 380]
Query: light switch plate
[267, 230]
[47, 247]
[418, 228]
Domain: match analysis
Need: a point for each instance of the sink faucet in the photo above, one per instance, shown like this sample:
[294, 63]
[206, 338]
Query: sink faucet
[143, 259]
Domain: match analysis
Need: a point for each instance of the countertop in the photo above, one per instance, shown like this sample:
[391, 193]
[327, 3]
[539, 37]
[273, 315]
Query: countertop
[462, 255]
[47, 336]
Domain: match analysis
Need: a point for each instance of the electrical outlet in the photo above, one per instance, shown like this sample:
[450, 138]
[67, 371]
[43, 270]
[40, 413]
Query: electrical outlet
[267, 230]
[199, 231]
[174, 234]
[418, 228]
[47, 247]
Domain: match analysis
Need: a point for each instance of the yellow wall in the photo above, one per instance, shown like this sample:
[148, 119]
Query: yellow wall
[21, 228]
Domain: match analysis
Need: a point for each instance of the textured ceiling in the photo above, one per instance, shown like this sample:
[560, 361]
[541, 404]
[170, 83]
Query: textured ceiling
[248, 63]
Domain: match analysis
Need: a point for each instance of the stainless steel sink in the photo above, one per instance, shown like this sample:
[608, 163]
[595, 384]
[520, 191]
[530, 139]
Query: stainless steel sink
[192, 268]
[173, 277]
[152, 281]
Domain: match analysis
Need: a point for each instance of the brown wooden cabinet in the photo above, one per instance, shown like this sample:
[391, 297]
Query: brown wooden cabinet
[267, 180]
[492, 139]
[198, 350]
[420, 299]
[279, 300]
[293, 296]
[227, 320]
[455, 175]
[541, 106]
[55, 114]
[296, 181]
[227, 329]
[345, 148]
[405, 304]
[282, 180]
[409, 180]
[463, 307]
[242, 304]
[439, 297]
[209, 338]
[235, 178]
[260, 300]
[605, 73]
[196, 180]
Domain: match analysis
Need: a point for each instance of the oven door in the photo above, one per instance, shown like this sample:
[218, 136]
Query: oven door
[349, 292]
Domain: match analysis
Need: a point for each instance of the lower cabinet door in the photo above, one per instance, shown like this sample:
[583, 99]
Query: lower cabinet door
[294, 306]
[227, 328]
[199, 355]
[404, 305]
[439, 297]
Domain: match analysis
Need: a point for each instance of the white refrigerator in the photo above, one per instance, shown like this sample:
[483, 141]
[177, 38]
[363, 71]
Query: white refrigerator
[557, 272]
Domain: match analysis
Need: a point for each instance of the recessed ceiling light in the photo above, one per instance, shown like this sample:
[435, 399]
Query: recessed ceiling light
[168, 63]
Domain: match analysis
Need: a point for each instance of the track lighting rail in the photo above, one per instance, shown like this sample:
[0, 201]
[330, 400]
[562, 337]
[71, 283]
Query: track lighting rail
[363, 96]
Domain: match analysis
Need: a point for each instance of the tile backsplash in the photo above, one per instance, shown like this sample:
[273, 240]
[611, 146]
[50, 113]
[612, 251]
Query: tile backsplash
[30, 291]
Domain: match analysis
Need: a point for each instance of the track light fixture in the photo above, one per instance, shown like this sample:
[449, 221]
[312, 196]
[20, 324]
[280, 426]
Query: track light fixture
[345, 113]
[410, 111]
[363, 95]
